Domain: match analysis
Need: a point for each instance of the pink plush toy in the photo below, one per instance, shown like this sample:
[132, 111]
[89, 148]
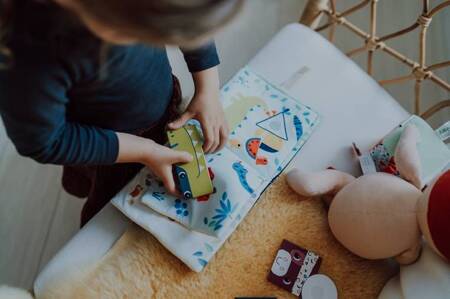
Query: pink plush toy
[380, 215]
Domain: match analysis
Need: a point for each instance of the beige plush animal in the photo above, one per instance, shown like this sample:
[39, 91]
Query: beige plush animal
[380, 215]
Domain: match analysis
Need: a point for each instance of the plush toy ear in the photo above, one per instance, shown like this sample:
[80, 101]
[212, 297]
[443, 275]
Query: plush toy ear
[407, 157]
[328, 182]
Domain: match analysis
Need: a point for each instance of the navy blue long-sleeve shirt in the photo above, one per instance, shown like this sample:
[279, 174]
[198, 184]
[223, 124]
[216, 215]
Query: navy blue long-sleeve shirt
[60, 104]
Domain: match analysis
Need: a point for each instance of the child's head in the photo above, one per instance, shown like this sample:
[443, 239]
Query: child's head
[179, 22]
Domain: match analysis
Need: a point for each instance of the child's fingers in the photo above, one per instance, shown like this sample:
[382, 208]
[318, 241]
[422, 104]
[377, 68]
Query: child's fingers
[181, 157]
[181, 120]
[223, 135]
[208, 133]
[168, 181]
[216, 142]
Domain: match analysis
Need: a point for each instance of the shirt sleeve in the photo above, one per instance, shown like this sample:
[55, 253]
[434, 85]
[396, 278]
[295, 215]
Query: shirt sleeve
[201, 58]
[33, 108]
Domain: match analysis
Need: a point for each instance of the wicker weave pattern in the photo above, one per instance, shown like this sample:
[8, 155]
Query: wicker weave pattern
[420, 71]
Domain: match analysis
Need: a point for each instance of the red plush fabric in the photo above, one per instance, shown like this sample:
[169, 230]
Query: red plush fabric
[439, 214]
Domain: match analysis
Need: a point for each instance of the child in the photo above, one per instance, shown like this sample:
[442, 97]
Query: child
[81, 90]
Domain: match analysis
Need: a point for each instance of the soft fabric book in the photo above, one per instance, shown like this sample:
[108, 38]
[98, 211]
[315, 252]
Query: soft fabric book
[268, 128]
[434, 154]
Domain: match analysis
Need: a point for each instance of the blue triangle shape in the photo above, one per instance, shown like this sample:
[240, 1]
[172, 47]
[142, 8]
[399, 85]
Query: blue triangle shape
[270, 125]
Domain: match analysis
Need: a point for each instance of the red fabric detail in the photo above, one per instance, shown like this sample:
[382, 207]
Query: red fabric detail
[203, 198]
[439, 214]
[211, 173]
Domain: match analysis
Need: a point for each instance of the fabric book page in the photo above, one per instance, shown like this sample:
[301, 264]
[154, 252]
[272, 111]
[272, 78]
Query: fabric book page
[268, 128]
[234, 183]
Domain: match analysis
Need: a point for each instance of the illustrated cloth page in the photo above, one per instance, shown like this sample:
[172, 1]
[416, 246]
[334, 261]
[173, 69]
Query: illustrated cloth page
[235, 184]
[268, 128]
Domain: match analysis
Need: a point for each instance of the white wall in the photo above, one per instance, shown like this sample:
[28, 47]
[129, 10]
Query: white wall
[240, 40]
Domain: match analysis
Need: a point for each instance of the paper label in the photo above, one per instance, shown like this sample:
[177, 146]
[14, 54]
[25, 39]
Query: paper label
[367, 164]
[365, 160]
[444, 131]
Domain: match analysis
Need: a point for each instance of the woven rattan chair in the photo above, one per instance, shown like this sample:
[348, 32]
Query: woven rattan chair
[420, 71]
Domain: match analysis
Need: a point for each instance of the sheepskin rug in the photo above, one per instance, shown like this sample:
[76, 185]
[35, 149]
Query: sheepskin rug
[139, 267]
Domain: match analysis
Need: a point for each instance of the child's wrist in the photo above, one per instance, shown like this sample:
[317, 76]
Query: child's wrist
[206, 81]
[148, 147]
[135, 149]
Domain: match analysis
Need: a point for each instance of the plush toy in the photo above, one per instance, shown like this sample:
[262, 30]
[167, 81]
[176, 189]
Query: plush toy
[380, 215]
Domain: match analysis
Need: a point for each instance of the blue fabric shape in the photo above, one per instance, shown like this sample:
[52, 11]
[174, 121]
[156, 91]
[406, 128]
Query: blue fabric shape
[181, 208]
[267, 148]
[159, 195]
[298, 127]
[225, 210]
[202, 262]
[242, 175]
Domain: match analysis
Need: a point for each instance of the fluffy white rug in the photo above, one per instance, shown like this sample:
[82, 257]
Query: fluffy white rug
[138, 266]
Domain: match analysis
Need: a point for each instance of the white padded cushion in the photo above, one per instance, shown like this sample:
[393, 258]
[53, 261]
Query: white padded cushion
[353, 106]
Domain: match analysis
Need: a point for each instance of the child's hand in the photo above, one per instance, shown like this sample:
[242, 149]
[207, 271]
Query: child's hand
[160, 160]
[156, 157]
[206, 108]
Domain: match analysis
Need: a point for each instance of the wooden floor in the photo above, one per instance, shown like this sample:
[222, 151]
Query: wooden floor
[37, 217]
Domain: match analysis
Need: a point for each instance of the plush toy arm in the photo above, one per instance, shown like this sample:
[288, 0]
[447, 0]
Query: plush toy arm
[328, 182]
[411, 255]
[407, 157]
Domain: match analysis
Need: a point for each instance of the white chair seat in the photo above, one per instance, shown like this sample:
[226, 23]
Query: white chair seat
[354, 108]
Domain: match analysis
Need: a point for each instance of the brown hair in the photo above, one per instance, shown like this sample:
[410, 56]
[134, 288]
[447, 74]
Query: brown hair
[6, 11]
[172, 21]
[179, 22]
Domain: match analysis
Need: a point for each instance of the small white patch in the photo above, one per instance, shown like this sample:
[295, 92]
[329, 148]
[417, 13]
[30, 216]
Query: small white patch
[281, 263]
[319, 286]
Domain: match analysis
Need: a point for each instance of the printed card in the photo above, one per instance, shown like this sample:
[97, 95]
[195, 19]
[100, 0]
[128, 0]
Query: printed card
[292, 266]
